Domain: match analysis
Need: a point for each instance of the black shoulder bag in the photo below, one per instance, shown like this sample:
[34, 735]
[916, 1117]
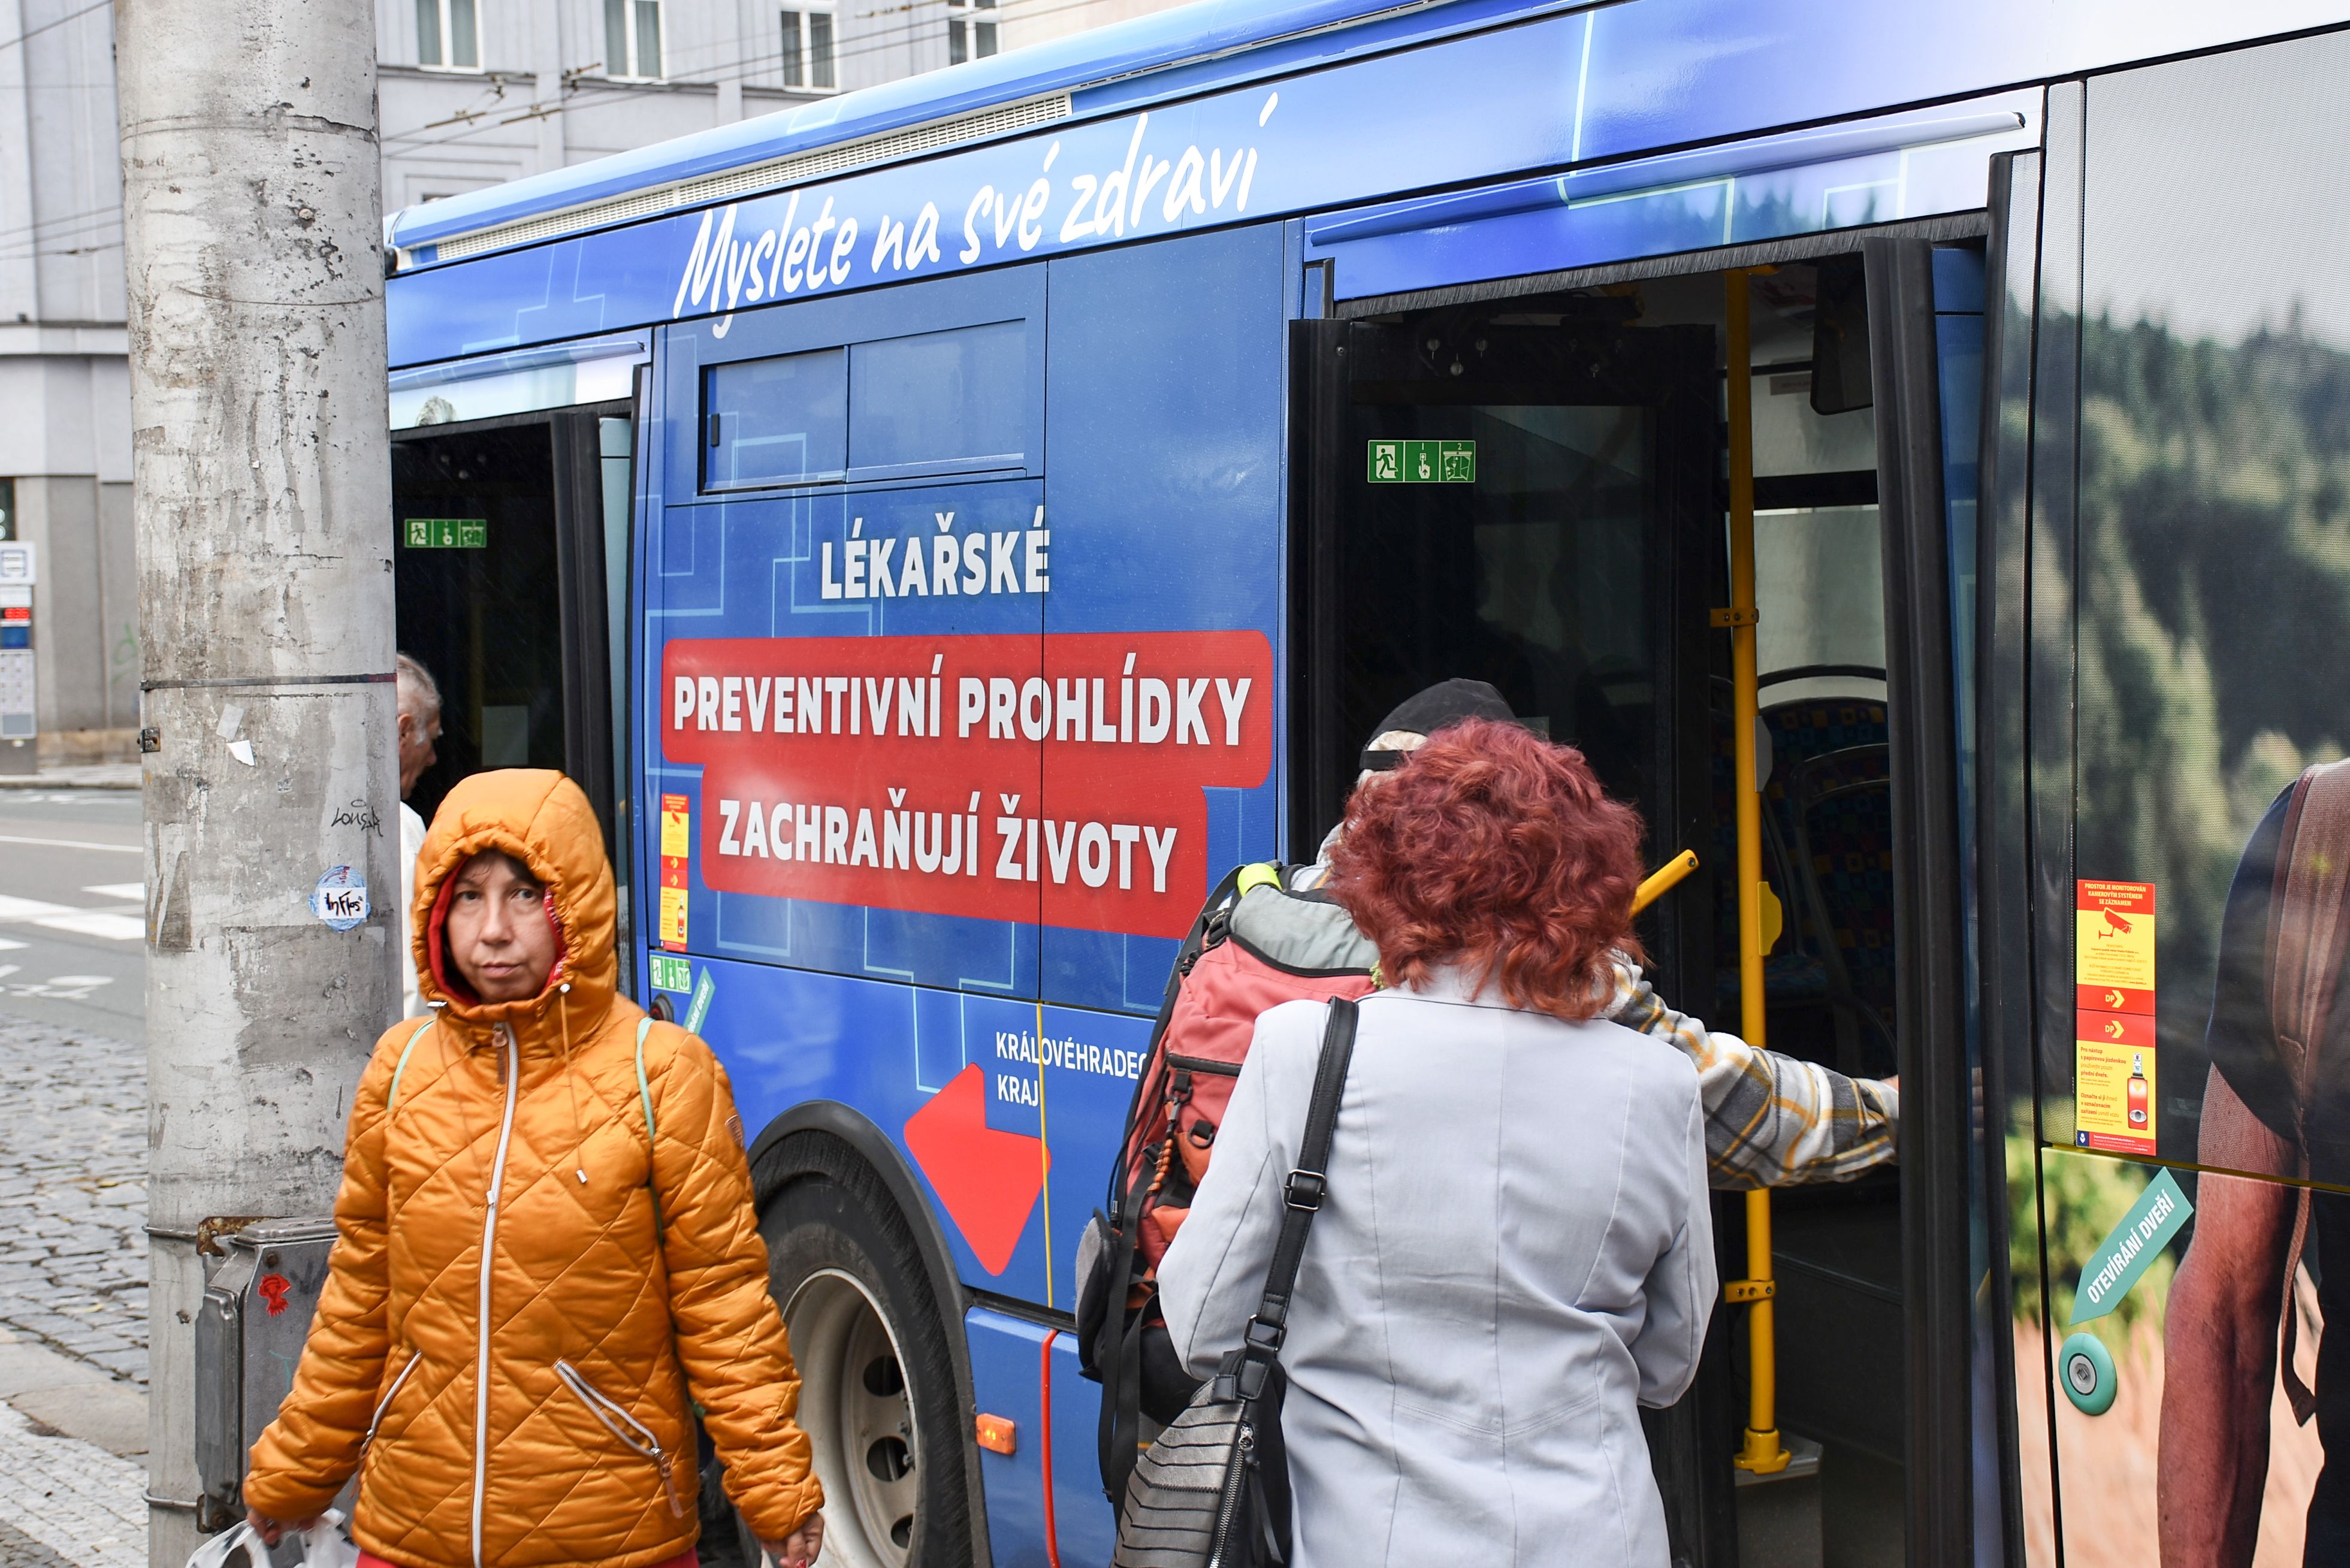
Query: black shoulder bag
[1213, 1490]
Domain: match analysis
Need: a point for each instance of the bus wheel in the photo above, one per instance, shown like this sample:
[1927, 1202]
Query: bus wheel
[877, 1380]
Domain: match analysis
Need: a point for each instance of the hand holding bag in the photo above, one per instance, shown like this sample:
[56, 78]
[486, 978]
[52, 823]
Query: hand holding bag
[326, 1544]
[1213, 1490]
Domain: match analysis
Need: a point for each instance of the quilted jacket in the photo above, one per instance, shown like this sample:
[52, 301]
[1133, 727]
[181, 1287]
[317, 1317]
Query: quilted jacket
[525, 1288]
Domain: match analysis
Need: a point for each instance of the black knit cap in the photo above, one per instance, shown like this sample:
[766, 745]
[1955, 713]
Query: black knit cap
[1446, 702]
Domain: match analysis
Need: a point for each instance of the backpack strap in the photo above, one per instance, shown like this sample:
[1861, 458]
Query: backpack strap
[2306, 936]
[1301, 1196]
[391, 1096]
[652, 1146]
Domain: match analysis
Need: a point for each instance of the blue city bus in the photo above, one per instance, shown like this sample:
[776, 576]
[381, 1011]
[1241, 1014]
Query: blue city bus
[947, 525]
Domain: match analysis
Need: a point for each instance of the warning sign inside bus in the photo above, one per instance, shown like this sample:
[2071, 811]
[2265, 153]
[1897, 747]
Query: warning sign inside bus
[971, 775]
[2115, 1075]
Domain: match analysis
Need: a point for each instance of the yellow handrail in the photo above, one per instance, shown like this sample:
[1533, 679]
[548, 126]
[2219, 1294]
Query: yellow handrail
[1663, 879]
[1762, 1453]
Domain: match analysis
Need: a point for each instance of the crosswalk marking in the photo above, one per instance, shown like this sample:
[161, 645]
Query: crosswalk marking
[98, 923]
[16, 909]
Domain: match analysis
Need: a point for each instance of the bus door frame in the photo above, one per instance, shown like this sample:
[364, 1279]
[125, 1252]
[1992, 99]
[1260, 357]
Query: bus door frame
[1931, 895]
[577, 485]
[1956, 1089]
[1692, 1462]
[2015, 364]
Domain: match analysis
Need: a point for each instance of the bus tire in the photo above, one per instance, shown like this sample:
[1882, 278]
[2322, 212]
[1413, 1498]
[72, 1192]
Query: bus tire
[878, 1391]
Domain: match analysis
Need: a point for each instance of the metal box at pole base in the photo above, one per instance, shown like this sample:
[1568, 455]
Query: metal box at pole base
[249, 1337]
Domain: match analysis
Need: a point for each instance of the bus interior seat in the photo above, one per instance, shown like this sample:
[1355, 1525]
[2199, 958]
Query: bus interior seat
[1829, 980]
[1841, 806]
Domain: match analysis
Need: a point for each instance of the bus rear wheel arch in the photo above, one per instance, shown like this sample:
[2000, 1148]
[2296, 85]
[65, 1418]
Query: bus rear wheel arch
[878, 1392]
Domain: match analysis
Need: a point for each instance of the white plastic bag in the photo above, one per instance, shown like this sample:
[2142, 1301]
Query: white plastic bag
[326, 1544]
[238, 1546]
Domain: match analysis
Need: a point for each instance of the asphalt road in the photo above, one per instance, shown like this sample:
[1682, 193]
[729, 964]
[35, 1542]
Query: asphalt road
[72, 912]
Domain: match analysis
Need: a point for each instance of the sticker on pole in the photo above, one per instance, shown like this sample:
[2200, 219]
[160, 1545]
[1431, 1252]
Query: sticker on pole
[341, 899]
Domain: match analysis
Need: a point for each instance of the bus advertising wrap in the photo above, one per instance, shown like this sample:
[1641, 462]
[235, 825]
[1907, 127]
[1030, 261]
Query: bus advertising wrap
[957, 776]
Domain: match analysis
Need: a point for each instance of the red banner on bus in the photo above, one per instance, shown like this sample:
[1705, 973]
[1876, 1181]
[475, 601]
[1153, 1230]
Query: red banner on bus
[1002, 777]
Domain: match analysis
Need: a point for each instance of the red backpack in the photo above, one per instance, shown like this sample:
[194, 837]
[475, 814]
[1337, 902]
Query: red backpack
[1255, 945]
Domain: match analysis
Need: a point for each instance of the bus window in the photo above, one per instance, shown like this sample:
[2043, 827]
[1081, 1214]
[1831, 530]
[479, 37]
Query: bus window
[501, 532]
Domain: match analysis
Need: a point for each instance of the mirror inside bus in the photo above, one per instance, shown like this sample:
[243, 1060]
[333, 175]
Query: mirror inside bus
[510, 560]
[1529, 491]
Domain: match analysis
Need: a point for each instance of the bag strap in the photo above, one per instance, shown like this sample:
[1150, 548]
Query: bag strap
[391, 1096]
[1302, 1195]
[2307, 935]
[652, 1144]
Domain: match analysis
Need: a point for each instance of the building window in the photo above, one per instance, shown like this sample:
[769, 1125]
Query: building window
[7, 510]
[448, 36]
[632, 38]
[808, 50]
[968, 38]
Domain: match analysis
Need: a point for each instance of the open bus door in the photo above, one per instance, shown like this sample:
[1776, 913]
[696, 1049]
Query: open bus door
[1533, 490]
[511, 564]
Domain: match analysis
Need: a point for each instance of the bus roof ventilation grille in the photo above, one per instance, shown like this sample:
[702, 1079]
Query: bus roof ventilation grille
[757, 179]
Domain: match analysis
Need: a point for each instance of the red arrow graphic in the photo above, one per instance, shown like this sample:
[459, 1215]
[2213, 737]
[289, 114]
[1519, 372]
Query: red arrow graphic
[988, 1180]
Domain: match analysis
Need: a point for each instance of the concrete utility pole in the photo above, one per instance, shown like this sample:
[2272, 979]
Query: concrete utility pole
[254, 226]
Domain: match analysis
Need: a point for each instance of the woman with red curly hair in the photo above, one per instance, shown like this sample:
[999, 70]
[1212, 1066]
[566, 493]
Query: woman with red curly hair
[1514, 1252]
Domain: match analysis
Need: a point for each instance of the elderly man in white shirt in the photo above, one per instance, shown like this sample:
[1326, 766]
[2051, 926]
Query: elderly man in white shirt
[420, 729]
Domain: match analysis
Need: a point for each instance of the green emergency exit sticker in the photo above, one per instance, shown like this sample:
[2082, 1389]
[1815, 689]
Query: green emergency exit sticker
[671, 973]
[699, 1009]
[2160, 1212]
[1422, 462]
[448, 533]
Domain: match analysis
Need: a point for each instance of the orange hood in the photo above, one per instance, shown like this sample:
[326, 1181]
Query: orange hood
[542, 819]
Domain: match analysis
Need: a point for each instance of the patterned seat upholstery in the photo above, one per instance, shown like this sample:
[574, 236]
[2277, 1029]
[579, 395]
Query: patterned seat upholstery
[1843, 804]
[1813, 727]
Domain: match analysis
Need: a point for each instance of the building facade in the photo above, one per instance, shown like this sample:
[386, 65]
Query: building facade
[65, 380]
[471, 93]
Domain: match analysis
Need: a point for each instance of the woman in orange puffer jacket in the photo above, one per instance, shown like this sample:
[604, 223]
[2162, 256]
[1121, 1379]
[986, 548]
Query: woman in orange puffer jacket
[546, 1250]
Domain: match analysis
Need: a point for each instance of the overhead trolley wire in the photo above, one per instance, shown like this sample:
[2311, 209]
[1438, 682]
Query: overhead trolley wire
[55, 22]
[893, 37]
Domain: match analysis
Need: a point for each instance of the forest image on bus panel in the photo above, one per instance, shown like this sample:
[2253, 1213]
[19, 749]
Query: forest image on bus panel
[904, 773]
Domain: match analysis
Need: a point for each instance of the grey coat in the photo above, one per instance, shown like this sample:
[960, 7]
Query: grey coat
[1514, 1253]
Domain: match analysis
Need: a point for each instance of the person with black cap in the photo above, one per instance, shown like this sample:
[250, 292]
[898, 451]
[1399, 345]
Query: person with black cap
[1771, 1120]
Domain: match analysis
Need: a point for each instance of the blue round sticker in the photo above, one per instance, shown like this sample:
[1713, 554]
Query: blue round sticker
[341, 899]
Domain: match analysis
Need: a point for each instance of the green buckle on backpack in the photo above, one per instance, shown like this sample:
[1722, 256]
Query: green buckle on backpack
[1265, 874]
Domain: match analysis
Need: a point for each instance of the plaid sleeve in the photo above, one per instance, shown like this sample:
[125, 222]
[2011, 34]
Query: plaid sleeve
[1769, 1120]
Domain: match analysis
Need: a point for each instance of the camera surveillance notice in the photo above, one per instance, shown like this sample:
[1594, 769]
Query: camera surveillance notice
[2113, 1037]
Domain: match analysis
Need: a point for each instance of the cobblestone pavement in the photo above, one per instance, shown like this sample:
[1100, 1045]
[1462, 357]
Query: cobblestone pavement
[73, 1194]
[66, 1504]
[73, 1273]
